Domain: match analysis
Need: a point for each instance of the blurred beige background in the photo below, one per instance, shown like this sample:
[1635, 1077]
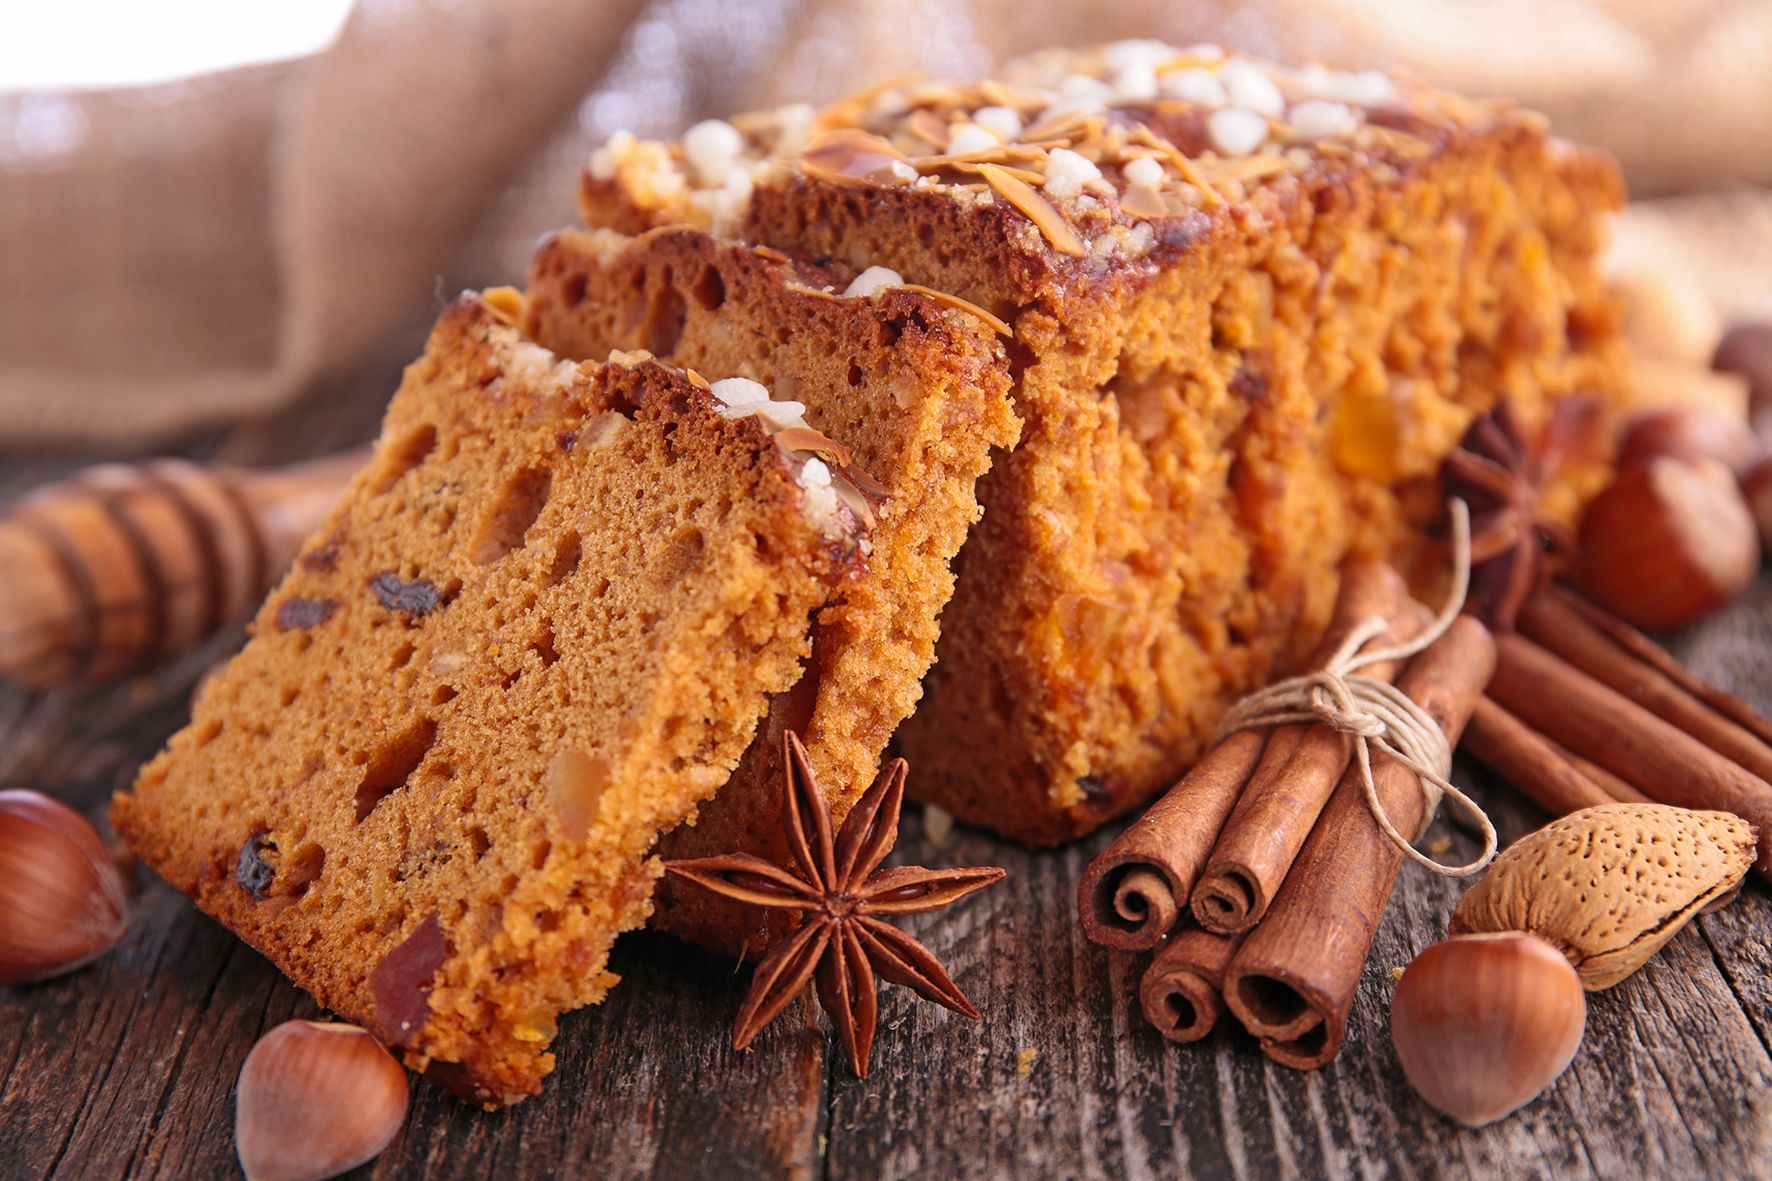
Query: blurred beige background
[212, 249]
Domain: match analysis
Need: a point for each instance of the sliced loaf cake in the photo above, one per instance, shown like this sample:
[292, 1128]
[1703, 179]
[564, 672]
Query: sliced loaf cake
[914, 383]
[539, 629]
[1255, 306]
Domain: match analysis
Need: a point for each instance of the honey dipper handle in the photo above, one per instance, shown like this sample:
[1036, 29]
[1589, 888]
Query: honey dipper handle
[121, 565]
[290, 502]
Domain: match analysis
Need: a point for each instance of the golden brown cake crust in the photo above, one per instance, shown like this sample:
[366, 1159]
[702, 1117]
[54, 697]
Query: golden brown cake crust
[918, 391]
[1234, 365]
[539, 629]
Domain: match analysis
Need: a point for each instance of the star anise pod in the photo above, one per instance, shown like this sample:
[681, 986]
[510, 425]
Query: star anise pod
[1501, 474]
[841, 942]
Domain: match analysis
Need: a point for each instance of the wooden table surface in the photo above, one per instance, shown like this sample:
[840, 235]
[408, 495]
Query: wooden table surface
[127, 1068]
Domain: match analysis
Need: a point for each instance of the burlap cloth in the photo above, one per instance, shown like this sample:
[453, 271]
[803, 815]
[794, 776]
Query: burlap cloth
[212, 249]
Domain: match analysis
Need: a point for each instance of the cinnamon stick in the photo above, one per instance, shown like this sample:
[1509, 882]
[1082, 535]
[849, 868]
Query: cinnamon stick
[1576, 630]
[1293, 980]
[1133, 893]
[1597, 722]
[1276, 812]
[1662, 661]
[1534, 765]
[1182, 991]
[1219, 898]
[1607, 782]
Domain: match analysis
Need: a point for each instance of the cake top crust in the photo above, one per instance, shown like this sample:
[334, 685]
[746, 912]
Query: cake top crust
[1103, 151]
[836, 496]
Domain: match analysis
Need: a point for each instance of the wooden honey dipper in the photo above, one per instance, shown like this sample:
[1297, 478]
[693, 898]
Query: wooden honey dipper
[121, 565]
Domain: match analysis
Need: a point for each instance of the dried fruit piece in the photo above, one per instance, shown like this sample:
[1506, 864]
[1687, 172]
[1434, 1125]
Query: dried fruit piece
[401, 983]
[300, 614]
[252, 872]
[1608, 886]
[322, 557]
[575, 784]
[419, 596]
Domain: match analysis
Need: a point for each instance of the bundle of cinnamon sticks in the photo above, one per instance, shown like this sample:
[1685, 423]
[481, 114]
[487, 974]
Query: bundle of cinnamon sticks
[1263, 873]
[1261, 877]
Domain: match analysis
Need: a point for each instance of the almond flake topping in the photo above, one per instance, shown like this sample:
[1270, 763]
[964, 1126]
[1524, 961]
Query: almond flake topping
[928, 127]
[505, 303]
[1144, 201]
[804, 438]
[1022, 174]
[1068, 138]
[995, 154]
[964, 305]
[856, 157]
[1049, 221]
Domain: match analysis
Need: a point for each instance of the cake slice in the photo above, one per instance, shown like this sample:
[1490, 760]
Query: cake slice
[1254, 306]
[539, 629]
[916, 386]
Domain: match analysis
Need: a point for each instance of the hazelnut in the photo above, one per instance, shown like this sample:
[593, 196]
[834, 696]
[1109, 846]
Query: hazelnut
[61, 899]
[1746, 349]
[1483, 1023]
[316, 1099]
[1670, 541]
[1756, 485]
[1689, 432]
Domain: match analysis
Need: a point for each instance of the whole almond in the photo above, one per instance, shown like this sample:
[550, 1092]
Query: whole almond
[1607, 886]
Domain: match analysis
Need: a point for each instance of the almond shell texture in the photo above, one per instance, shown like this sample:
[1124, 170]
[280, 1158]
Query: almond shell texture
[1608, 886]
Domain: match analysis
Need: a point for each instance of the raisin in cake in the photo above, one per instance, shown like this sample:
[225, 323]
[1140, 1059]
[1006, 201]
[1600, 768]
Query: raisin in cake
[540, 628]
[915, 386]
[1253, 308]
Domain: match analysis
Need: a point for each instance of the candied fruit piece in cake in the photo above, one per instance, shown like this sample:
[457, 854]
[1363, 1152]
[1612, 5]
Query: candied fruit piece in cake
[1253, 309]
[540, 628]
[917, 389]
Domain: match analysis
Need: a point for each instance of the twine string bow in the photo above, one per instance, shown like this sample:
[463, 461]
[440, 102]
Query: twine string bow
[1380, 715]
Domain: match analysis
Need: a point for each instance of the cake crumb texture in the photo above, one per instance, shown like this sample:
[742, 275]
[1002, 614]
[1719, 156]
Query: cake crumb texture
[540, 628]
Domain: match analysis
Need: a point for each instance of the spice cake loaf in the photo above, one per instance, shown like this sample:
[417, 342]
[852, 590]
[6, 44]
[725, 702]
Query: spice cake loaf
[540, 628]
[916, 388]
[1253, 308]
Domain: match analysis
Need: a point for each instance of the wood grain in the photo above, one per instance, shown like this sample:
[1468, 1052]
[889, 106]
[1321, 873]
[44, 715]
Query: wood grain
[126, 1069]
